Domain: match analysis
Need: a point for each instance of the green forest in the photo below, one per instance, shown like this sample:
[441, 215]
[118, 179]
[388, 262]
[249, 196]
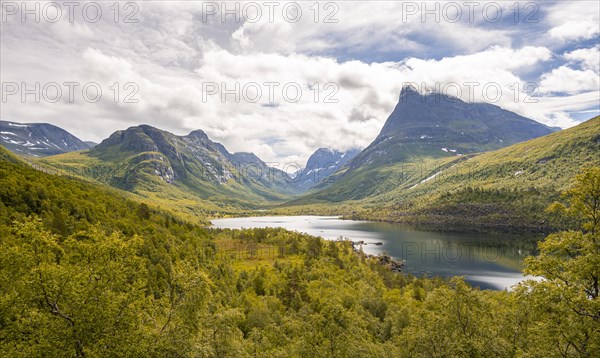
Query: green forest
[87, 272]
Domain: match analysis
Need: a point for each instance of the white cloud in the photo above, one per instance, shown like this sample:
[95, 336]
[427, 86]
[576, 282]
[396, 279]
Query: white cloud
[374, 26]
[567, 80]
[573, 20]
[171, 52]
[574, 30]
[308, 124]
[588, 58]
[554, 110]
[488, 76]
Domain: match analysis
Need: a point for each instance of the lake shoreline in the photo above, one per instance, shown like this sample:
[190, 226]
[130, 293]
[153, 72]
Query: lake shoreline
[490, 261]
[423, 223]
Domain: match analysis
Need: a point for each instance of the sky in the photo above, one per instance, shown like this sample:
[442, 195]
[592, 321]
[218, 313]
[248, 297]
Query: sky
[282, 79]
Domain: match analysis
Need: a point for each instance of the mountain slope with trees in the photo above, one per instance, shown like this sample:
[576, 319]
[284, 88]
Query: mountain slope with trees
[192, 171]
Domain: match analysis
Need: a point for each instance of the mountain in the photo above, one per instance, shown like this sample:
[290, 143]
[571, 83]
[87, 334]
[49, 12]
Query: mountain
[437, 125]
[248, 165]
[421, 130]
[191, 157]
[504, 190]
[181, 171]
[320, 165]
[38, 139]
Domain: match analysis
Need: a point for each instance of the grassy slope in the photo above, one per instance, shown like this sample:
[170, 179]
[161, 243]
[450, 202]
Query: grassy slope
[195, 196]
[79, 165]
[505, 190]
[7, 156]
[80, 197]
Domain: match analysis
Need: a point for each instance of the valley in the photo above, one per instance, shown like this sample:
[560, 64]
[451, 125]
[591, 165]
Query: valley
[174, 228]
[484, 171]
[161, 284]
[336, 179]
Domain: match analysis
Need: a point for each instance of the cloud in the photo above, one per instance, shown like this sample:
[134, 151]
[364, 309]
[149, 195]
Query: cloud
[587, 58]
[359, 27]
[567, 80]
[360, 115]
[555, 110]
[171, 54]
[487, 76]
[573, 20]
[312, 122]
[575, 30]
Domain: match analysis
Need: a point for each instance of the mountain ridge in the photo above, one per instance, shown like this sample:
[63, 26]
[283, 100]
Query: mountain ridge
[38, 139]
[321, 165]
[155, 163]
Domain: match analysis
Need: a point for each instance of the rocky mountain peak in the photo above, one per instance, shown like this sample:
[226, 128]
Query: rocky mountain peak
[437, 125]
[38, 139]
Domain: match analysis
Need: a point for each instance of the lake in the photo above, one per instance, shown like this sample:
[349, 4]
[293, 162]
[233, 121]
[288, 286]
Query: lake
[486, 261]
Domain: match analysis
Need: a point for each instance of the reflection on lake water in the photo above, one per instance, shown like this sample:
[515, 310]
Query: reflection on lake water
[487, 261]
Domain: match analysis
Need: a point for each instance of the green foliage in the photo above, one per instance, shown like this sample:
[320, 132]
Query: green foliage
[80, 295]
[85, 271]
[569, 265]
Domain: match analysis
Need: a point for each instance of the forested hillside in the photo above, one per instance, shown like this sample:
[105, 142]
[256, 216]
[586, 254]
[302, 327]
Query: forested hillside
[87, 272]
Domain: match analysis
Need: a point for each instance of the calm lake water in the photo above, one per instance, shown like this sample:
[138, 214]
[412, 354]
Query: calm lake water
[486, 261]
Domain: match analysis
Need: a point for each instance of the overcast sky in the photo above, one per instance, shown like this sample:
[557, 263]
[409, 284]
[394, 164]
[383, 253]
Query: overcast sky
[327, 75]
